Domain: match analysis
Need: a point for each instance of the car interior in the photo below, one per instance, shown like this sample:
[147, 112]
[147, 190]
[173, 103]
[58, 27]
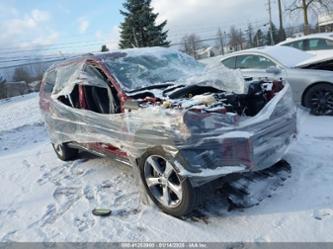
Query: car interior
[103, 99]
[253, 62]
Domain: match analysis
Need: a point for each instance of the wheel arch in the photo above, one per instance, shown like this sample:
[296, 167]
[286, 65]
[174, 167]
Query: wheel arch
[150, 140]
[311, 86]
[169, 150]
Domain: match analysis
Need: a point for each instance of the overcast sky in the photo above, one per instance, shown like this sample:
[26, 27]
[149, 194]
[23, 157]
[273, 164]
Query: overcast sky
[62, 25]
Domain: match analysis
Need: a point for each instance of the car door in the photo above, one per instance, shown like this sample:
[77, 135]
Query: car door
[99, 98]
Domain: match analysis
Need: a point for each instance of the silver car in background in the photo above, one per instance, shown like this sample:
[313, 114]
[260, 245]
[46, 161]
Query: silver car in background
[310, 76]
[315, 43]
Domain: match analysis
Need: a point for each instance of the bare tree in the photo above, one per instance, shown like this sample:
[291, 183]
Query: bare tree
[220, 41]
[236, 38]
[306, 5]
[20, 74]
[250, 35]
[191, 43]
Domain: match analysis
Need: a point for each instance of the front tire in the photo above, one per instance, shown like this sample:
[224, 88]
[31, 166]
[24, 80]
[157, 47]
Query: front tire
[172, 193]
[319, 99]
[64, 152]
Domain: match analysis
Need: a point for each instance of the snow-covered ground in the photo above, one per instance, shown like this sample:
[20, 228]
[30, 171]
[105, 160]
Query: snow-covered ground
[45, 199]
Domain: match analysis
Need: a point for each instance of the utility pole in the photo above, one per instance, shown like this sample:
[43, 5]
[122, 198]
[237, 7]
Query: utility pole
[282, 34]
[270, 21]
[280, 14]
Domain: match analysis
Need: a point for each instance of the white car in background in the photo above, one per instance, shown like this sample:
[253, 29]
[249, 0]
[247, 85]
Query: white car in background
[310, 76]
[315, 43]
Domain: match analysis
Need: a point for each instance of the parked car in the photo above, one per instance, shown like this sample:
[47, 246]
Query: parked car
[158, 110]
[310, 76]
[315, 43]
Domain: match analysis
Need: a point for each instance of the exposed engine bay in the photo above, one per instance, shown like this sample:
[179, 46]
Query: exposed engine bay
[207, 99]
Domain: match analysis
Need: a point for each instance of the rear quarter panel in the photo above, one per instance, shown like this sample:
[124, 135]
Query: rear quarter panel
[301, 79]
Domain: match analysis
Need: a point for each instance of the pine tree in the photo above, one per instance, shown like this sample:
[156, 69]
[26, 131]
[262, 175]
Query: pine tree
[259, 38]
[139, 28]
[282, 35]
[275, 36]
[104, 48]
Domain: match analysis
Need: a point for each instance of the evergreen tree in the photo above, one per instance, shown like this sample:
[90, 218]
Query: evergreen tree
[282, 35]
[139, 28]
[275, 36]
[20, 74]
[104, 48]
[259, 38]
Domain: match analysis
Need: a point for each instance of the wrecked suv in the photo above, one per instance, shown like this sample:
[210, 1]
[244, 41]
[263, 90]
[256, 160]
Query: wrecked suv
[179, 124]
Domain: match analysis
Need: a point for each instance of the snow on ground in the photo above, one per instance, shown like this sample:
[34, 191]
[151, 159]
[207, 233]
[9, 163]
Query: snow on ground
[44, 199]
[19, 111]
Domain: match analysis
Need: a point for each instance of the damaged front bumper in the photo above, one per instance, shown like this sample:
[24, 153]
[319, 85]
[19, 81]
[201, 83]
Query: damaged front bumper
[254, 144]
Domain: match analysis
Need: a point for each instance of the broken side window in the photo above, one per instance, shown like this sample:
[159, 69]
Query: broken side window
[97, 94]
[72, 99]
[66, 84]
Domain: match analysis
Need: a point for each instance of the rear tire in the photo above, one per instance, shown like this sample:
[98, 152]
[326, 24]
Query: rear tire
[319, 99]
[172, 193]
[64, 152]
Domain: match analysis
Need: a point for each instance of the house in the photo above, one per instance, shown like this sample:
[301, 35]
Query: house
[325, 22]
[12, 89]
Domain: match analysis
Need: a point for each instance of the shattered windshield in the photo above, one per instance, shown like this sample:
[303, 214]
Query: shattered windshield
[145, 70]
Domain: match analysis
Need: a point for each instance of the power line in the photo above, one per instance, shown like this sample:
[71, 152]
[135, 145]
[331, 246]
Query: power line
[29, 63]
[52, 47]
[65, 37]
[208, 29]
[15, 58]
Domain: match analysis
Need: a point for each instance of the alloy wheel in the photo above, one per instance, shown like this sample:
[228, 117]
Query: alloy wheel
[163, 181]
[322, 102]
